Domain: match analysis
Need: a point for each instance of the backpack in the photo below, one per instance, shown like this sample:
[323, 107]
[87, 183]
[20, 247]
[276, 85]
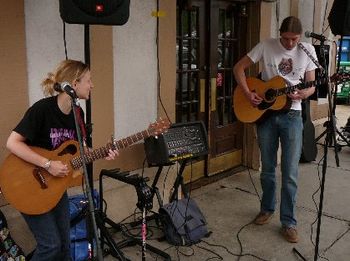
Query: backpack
[183, 222]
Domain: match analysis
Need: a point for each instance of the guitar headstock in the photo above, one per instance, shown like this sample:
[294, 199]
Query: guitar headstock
[340, 77]
[158, 127]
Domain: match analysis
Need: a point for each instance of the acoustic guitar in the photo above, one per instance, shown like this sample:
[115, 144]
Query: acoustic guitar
[32, 190]
[274, 97]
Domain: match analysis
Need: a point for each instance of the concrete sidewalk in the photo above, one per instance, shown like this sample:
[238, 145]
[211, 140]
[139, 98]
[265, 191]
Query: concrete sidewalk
[232, 203]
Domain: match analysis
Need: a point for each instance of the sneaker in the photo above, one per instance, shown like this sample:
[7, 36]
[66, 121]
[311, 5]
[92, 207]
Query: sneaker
[290, 234]
[263, 218]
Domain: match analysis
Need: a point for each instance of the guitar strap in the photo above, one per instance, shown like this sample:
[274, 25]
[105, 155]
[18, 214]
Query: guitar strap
[81, 123]
[322, 70]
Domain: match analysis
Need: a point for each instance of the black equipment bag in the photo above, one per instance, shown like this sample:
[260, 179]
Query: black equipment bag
[183, 222]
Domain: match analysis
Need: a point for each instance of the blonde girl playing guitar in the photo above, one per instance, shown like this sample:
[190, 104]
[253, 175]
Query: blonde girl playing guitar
[47, 124]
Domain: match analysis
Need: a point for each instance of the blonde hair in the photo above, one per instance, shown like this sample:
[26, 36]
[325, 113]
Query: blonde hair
[66, 71]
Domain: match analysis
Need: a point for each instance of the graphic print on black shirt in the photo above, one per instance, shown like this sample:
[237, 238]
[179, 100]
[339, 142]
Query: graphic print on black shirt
[60, 135]
[45, 125]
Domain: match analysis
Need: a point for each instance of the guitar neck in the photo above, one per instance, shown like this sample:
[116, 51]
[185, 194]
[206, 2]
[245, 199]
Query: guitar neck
[292, 88]
[102, 152]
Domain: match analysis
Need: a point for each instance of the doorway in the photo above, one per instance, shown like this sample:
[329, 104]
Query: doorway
[211, 37]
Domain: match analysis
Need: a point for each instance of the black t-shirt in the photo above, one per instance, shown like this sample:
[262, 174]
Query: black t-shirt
[45, 125]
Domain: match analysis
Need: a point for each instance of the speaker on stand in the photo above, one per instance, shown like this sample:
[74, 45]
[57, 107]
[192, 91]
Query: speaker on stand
[98, 12]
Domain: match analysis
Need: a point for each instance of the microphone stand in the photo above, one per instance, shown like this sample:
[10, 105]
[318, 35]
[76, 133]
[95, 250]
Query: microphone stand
[91, 209]
[331, 131]
[330, 135]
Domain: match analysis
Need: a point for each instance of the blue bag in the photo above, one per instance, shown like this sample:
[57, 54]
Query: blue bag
[79, 209]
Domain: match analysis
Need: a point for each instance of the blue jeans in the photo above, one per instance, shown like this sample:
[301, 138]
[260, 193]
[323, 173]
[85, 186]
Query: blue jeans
[286, 127]
[51, 232]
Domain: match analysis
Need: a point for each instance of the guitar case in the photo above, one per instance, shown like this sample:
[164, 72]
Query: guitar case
[309, 148]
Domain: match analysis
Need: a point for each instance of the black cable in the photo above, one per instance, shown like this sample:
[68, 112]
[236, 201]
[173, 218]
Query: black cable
[336, 240]
[324, 18]
[252, 181]
[316, 206]
[64, 39]
[231, 253]
[164, 181]
[158, 66]
[314, 200]
[177, 253]
[251, 222]
[241, 229]
[143, 166]
[333, 167]
[129, 232]
[311, 235]
[313, 20]
[188, 201]
[313, 223]
[239, 240]
[211, 251]
[278, 14]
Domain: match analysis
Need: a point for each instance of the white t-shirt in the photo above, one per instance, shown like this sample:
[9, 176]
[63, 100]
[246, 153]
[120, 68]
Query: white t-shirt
[277, 60]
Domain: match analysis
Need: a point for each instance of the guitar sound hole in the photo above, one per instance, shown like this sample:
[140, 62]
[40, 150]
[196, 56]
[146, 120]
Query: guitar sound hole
[270, 95]
[70, 149]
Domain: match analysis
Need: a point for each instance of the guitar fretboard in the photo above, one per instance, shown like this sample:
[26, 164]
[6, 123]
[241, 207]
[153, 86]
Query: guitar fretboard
[102, 152]
[300, 86]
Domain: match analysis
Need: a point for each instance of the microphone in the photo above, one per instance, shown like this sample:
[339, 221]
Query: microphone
[65, 87]
[320, 37]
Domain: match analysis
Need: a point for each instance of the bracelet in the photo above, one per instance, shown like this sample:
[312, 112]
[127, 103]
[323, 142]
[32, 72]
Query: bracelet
[47, 165]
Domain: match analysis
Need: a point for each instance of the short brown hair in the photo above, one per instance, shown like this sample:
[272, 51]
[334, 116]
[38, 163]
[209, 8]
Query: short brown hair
[291, 24]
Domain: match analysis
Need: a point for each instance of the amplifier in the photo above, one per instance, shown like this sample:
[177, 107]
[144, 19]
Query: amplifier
[181, 141]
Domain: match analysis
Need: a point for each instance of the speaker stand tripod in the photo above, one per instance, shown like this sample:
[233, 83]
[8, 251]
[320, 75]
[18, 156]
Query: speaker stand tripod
[330, 125]
[145, 202]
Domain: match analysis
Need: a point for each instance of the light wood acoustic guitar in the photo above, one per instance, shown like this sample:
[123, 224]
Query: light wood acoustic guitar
[32, 190]
[274, 96]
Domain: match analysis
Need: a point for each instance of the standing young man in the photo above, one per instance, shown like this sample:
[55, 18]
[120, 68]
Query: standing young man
[284, 57]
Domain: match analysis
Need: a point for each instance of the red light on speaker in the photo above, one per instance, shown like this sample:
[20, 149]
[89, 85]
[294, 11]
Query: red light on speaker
[99, 8]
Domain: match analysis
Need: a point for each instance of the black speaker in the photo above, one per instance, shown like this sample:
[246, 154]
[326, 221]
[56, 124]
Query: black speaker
[339, 17]
[106, 12]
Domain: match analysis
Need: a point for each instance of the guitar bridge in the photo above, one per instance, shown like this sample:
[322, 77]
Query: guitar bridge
[40, 178]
